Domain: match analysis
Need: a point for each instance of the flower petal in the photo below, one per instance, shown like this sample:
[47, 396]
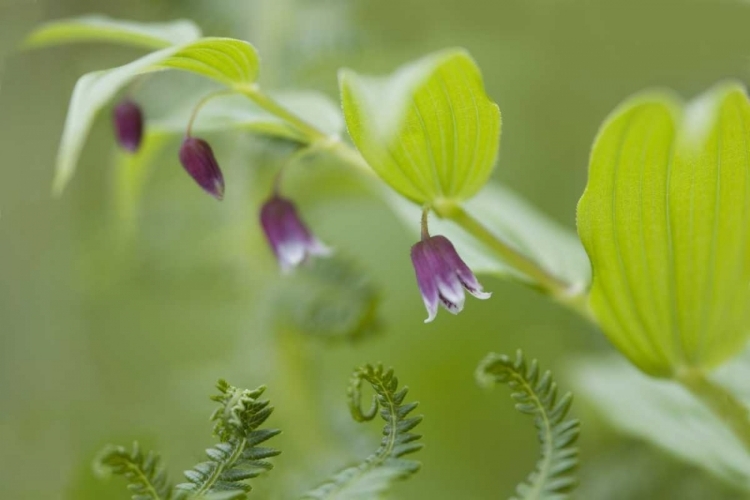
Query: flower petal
[290, 255]
[462, 271]
[451, 307]
[318, 248]
[291, 241]
[425, 278]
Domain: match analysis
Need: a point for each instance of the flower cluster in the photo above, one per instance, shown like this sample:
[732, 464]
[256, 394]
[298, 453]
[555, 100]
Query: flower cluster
[442, 276]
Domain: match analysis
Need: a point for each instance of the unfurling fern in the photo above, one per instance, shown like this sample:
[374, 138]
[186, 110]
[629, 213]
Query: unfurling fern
[231, 462]
[237, 457]
[372, 478]
[146, 478]
[537, 396]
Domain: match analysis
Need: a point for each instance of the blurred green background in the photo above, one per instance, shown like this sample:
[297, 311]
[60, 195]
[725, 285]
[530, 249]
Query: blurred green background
[109, 337]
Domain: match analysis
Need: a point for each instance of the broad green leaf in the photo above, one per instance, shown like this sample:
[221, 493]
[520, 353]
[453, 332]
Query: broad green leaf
[225, 60]
[513, 219]
[665, 414]
[429, 130]
[104, 29]
[664, 220]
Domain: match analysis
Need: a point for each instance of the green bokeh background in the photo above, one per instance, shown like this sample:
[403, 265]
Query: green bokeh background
[107, 338]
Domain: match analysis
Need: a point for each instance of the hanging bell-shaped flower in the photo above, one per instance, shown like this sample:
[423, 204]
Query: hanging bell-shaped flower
[127, 119]
[199, 161]
[290, 239]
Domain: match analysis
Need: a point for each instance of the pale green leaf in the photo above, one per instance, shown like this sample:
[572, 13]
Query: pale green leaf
[225, 60]
[513, 219]
[239, 113]
[97, 28]
[664, 219]
[429, 130]
[664, 413]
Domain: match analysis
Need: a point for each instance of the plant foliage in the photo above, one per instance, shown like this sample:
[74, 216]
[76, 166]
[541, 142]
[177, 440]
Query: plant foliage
[237, 458]
[536, 394]
[144, 473]
[664, 220]
[372, 478]
[429, 130]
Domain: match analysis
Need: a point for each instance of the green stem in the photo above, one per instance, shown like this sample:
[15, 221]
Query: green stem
[293, 356]
[309, 133]
[720, 401]
[201, 103]
[568, 295]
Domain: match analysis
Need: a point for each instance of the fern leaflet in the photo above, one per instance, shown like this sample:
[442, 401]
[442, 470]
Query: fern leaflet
[146, 478]
[537, 395]
[372, 478]
[237, 457]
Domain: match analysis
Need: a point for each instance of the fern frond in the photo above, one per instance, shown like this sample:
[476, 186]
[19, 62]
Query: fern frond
[536, 395]
[372, 478]
[146, 478]
[331, 299]
[237, 457]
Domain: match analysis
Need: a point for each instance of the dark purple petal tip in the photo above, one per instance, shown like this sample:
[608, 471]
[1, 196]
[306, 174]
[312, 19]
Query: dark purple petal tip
[289, 238]
[199, 161]
[442, 276]
[127, 118]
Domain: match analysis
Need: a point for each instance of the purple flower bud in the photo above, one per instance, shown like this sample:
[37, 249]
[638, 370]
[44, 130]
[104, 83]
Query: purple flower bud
[288, 236]
[128, 122]
[199, 161]
[442, 276]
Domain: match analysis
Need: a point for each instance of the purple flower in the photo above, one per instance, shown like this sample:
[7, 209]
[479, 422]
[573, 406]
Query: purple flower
[288, 236]
[442, 276]
[128, 122]
[199, 161]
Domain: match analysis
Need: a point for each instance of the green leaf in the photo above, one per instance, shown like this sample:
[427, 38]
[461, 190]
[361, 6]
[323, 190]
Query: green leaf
[513, 219]
[429, 130]
[372, 478]
[104, 29]
[228, 61]
[146, 477]
[536, 394]
[665, 414]
[665, 219]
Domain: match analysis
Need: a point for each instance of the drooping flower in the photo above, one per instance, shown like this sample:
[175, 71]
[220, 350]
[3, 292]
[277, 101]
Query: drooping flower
[291, 241]
[442, 276]
[127, 119]
[199, 161]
